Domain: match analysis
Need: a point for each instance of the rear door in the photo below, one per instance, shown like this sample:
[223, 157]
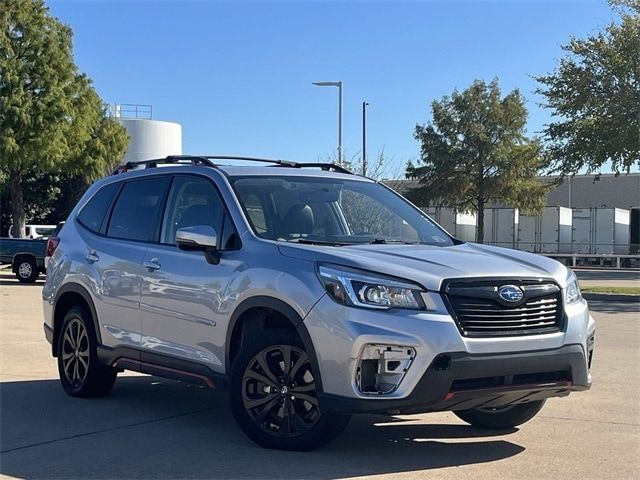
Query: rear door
[117, 257]
[185, 301]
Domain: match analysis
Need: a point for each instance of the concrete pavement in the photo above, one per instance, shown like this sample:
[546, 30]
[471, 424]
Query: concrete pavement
[155, 428]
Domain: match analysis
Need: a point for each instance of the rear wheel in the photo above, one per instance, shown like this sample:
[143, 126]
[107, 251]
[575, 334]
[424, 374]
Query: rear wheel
[274, 397]
[81, 375]
[27, 270]
[501, 417]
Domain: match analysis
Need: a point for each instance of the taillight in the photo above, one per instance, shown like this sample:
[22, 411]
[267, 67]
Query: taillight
[52, 244]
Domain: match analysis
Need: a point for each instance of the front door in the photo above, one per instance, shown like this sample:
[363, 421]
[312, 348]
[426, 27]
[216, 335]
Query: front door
[186, 301]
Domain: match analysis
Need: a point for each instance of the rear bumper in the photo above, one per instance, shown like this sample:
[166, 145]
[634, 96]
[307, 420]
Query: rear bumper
[459, 381]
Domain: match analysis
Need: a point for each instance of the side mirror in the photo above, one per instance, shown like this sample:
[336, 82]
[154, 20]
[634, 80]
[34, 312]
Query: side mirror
[199, 237]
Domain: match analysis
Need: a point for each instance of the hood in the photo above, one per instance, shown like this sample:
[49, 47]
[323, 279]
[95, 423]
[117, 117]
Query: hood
[430, 265]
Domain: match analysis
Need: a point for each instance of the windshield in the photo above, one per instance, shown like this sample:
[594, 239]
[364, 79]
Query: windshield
[332, 211]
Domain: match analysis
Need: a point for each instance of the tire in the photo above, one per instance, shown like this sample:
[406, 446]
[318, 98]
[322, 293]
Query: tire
[277, 407]
[27, 270]
[501, 418]
[81, 375]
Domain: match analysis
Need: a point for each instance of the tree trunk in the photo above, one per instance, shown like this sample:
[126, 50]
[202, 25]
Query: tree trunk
[480, 221]
[17, 205]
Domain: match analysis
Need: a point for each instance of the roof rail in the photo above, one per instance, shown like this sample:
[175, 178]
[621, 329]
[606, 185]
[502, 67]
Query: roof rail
[208, 161]
[329, 167]
[168, 160]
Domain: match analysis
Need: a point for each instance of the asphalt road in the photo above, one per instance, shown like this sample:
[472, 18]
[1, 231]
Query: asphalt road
[608, 277]
[154, 428]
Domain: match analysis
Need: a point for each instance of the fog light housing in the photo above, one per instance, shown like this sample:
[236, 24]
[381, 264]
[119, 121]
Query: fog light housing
[382, 367]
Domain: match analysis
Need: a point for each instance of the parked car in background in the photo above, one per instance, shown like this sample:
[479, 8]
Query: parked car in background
[25, 255]
[35, 231]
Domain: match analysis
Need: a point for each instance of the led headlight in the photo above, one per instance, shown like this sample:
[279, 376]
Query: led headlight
[362, 289]
[572, 293]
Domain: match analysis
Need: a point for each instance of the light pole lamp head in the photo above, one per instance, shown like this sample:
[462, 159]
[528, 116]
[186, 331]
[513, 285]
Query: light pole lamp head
[328, 84]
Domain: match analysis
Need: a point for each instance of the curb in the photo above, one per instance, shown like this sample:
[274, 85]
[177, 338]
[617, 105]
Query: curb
[611, 297]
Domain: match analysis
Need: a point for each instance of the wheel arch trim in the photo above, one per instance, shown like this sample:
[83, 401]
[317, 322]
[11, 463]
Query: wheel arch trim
[86, 296]
[280, 306]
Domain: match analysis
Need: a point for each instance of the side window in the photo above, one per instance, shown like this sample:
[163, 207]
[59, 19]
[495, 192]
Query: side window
[136, 215]
[94, 212]
[192, 201]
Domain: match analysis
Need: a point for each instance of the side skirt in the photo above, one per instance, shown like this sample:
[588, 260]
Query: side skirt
[127, 358]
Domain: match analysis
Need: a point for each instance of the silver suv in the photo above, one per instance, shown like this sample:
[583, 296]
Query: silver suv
[312, 294]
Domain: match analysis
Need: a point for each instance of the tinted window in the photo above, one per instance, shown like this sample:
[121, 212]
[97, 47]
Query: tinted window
[192, 201]
[94, 212]
[136, 215]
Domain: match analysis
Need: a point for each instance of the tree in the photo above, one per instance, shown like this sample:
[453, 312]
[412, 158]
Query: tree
[594, 94]
[475, 151]
[51, 118]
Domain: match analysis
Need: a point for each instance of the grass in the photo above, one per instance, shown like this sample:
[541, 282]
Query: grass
[618, 290]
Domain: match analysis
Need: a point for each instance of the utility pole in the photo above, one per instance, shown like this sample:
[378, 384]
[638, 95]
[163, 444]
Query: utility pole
[364, 138]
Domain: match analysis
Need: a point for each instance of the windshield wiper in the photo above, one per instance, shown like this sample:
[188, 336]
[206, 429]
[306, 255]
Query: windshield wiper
[377, 241]
[308, 241]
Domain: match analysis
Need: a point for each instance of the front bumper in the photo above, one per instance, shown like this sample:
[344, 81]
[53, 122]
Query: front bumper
[514, 369]
[459, 381]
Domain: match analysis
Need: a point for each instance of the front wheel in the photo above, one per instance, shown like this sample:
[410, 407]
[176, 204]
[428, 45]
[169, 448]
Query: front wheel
[501, 417]
[274, 397]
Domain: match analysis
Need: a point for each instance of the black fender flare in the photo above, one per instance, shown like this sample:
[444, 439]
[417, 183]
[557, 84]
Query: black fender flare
[264, 301]
[86, 296]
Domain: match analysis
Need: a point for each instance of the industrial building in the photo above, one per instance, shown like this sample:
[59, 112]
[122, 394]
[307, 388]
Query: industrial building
[585, 214]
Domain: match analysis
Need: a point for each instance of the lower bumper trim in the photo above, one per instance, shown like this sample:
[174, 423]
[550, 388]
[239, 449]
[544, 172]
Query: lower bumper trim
[473, 381]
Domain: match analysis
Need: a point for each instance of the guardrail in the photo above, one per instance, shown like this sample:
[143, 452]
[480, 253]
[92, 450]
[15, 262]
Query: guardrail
[626, 261]
[576, 248]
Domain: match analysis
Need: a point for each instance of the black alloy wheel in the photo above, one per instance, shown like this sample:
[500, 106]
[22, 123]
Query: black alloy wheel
[81, 373]
[279, 391]
[75, 353]
[274, 395]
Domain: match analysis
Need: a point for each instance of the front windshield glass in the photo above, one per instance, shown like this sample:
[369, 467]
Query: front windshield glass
[332, 211]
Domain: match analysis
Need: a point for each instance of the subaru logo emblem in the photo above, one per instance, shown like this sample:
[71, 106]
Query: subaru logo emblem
[510, 293]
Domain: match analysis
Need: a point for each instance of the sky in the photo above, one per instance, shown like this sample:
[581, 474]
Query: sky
[238, 75]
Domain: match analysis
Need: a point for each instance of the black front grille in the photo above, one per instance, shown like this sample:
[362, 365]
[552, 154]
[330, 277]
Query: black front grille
[479, 310]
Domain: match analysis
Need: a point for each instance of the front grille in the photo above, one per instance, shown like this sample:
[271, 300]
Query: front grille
[479, 310]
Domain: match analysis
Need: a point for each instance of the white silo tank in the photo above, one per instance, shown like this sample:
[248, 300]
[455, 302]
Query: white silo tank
[151, 139]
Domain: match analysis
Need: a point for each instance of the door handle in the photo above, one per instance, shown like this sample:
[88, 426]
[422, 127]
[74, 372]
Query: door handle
[92, 256]
[151, 265]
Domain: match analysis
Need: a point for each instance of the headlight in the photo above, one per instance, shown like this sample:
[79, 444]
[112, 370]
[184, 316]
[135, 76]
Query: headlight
[362, 289]
[573, 293]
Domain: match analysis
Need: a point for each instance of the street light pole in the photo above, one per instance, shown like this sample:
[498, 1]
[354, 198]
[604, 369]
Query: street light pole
[339, 85]
[364, 138]
[340, 159]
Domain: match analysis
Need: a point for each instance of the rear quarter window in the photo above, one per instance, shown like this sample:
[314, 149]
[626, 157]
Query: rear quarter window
[93, 214]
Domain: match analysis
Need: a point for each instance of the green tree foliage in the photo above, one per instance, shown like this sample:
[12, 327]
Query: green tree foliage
[475, 151]
[51, 118]
[594, 94]
[49, 197]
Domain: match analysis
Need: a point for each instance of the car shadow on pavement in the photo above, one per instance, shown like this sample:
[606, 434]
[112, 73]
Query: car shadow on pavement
[154, 428]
